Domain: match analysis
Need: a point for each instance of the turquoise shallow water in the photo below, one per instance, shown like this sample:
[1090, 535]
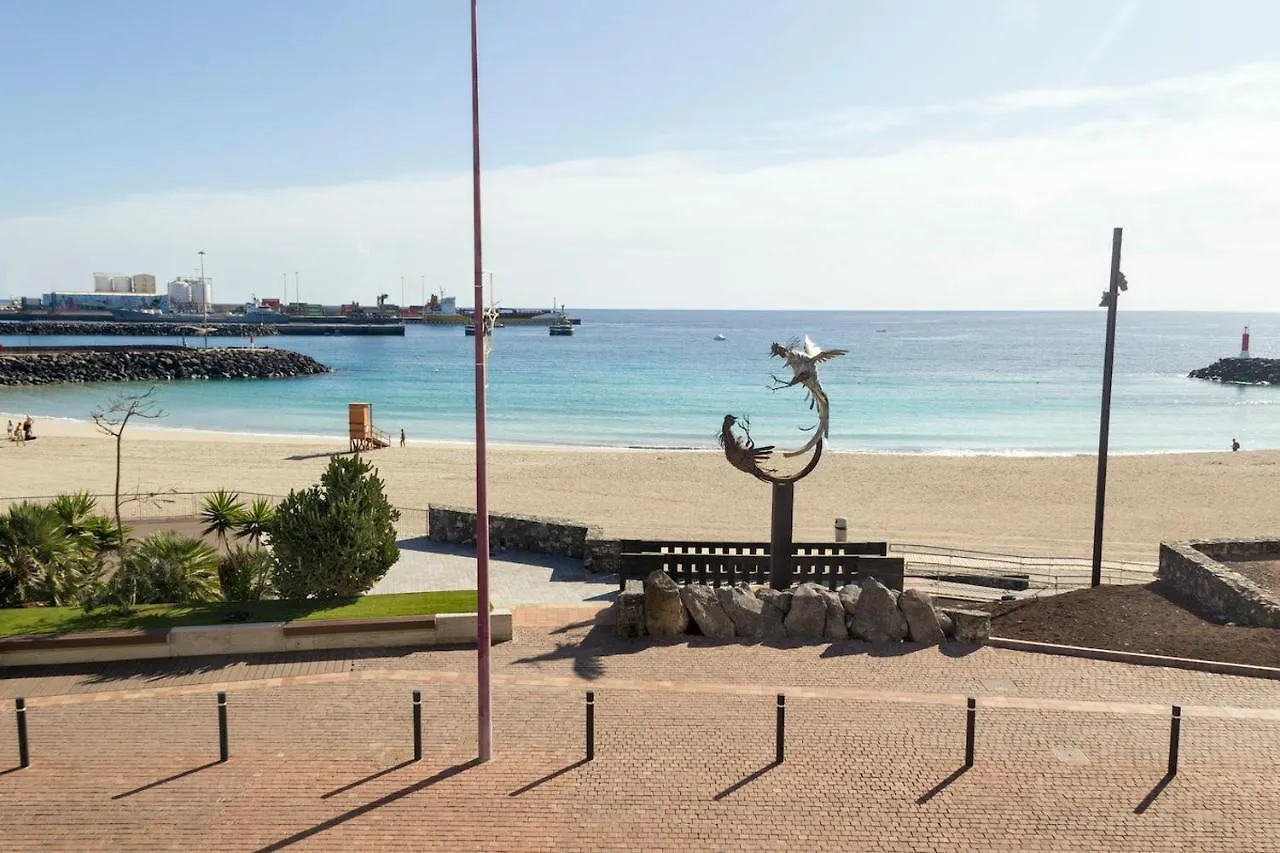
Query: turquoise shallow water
[913, 382]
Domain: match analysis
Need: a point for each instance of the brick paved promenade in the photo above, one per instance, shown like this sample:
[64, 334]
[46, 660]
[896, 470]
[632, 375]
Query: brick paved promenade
[1069, 752]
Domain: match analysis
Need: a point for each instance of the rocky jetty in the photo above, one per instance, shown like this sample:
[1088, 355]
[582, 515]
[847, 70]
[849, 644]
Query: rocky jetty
[150, 364]
[92, 327]
[1241, 371]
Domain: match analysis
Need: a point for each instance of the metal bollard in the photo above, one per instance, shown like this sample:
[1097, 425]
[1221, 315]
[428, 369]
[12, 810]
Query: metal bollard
[222, 727]
[971, 718]
[417, 725]
[591, 725]
[842, 530]
[1175, 735]
[20, 707]
[781, 735]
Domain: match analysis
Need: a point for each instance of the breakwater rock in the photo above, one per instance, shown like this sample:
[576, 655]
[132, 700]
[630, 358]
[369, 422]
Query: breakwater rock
[93, 327]
[51, 366]
[1241, 371]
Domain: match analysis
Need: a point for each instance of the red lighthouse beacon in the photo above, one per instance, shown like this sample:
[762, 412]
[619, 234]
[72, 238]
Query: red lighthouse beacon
[1244, 343]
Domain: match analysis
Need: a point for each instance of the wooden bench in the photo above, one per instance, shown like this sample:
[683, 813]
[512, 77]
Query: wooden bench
[341, 626]
[85, 639]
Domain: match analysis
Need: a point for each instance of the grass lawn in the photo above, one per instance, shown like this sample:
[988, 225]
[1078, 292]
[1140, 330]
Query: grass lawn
[55, 620]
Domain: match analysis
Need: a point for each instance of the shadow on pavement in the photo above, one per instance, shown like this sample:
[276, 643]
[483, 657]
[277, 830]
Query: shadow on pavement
[552, 775]
[370, 806]
[172, 778]
[588, 654]
[941, 786]
[1153, 794]
[369, 778]
[746, 780]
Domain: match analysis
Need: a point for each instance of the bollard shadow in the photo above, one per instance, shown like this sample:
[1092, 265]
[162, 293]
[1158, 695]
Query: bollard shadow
[1153, 794]
[942, 786]
[745, 780]
[555, 774]
[356, 812]
[384, 772]
[11, 770]
[157, 783]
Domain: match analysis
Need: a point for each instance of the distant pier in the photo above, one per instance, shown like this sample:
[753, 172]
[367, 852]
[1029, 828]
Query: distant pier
[115, 328]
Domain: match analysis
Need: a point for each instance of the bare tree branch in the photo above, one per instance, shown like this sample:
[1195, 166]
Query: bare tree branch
[113, 421]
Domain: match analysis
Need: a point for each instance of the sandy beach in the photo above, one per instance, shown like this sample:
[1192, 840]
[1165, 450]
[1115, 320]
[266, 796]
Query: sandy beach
[1034, 505]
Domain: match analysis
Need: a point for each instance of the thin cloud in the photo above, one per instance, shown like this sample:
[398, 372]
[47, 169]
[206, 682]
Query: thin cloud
[1003, 220]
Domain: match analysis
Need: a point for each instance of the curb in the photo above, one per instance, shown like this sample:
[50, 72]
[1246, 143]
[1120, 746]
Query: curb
[1137, 658]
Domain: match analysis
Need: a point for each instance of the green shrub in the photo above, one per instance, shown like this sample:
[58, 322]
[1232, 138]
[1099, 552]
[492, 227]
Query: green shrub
[166, 568]
[335, 539]
[245, 574]
[40, 560]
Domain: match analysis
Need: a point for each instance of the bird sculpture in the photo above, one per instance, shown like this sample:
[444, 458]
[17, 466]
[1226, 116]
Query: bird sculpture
[803, 359]
[742, 453]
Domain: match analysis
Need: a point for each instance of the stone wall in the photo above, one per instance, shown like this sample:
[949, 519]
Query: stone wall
[509, 532]
[48, 367]
[1192, 568]
[870, 611]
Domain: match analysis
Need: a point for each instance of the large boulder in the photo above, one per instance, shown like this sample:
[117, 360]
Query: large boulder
[971, 626]
[704, 607]
[947, 625]
[849, 597]
[664, 613]
[780, 599]
[834, 630]
[807, 618]
[631, 610]
[772, 626]
[922, 621]
[743, 609]
[877, 618]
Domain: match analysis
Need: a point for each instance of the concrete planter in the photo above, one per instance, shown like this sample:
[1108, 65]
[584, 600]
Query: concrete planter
[442, 629]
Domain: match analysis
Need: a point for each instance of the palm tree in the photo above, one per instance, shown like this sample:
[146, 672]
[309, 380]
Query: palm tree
[38, 560]
[221, 513]
[169, 568]
[95, 532]
[255, 522]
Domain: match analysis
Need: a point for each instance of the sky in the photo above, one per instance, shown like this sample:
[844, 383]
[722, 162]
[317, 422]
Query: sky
[745, 154]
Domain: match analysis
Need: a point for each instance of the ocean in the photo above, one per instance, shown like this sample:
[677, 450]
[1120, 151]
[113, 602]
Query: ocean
[1012, 383]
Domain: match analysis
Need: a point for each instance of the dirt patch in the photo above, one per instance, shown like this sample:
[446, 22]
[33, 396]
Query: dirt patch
[1152, 619]
[1264, 571]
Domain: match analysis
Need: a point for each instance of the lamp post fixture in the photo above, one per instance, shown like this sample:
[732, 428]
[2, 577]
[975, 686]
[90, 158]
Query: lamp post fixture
[483, 688]
[1110, 298]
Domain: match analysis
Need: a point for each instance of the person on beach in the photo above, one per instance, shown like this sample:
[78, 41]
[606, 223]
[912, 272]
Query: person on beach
[28, 429]
[402, 438]
[1235, 445]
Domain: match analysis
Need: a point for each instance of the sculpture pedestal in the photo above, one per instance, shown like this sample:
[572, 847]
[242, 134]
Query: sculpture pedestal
[780, 569]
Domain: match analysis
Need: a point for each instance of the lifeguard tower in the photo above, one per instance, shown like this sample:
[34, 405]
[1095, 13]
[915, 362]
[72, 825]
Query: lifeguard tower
[364, 435]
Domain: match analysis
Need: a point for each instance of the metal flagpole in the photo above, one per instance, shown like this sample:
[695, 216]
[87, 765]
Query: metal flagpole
[484, 712]
[1110, 300]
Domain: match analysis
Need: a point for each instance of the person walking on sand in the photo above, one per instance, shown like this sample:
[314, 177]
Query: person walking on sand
[1235, 445]
[28, 429]
[402, 438]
